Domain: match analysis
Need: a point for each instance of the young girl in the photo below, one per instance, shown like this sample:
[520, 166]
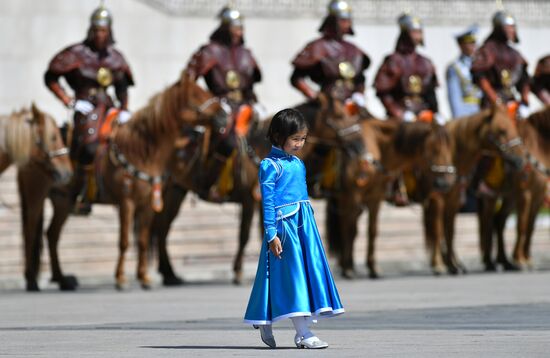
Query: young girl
[293, 279]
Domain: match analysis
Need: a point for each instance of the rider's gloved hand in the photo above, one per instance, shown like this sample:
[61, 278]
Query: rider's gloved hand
[439, 119]
[409, 116]
[523, 111]
[124, 116]
[359, 99]
[260, 111]
[83, 106]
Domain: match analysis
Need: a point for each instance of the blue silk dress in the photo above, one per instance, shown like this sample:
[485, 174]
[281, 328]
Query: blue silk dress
[300, 283]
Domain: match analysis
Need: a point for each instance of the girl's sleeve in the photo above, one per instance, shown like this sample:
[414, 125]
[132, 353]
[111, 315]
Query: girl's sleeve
[268, 176]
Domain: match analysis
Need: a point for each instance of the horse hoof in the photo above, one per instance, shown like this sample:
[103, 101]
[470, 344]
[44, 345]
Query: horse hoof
[348, 274]
[508, 266]
[374, 275]
[238, 279]
[121, 284]
[145, 283]
[33, 287]
[490, 267]
[68, 283]
[171, 281]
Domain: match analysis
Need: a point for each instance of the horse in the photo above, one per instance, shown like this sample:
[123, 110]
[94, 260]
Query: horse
[489, 131]
[31, 139]
[526, 193]
[395, 146]
[329, 123]
[131, 166]
[32, 135]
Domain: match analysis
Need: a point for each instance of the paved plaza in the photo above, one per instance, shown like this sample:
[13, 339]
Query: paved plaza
[475, 315]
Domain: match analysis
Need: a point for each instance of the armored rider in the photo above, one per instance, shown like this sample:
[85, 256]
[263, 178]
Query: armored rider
[230, 71]
[500, 71]
[464, 96]
[334, 64]
[541, 80]
[90, 68]
[406, 81]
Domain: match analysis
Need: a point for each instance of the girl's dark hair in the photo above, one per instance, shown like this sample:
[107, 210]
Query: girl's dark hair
[284, 124]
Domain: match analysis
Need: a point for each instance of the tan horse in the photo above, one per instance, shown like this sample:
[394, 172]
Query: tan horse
[392, 148]
[526, 193]
[328, 124]
[490, 132]
[132, 166]
[32, 140]
[32, 135]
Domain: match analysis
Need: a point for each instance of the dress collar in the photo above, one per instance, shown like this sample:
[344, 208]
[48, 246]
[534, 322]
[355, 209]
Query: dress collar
[278, 152]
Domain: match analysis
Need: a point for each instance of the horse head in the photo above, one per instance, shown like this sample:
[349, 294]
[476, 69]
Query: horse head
[431, 145]
[500, 135]
[49, 151]
[200, 106]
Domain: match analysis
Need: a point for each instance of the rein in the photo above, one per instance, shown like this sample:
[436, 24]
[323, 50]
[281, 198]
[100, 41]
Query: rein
[38, 140]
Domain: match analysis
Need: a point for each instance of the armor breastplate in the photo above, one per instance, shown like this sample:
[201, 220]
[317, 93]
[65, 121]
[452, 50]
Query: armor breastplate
[416, 79]
[506, 71]
[340, 67]
[233, 74]
[95, 74]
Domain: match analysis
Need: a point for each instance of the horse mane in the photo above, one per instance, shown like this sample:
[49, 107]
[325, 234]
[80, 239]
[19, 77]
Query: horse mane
[541, 122]
[154, 122]
[410, 136]
[17, 136]
[462, 127]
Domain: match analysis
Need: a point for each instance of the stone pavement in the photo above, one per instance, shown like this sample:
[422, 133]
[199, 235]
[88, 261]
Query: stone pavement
[475, 315]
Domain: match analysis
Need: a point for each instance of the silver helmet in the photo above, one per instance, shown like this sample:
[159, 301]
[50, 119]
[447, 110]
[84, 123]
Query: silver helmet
[339, 9]
[101, 17]
[230, 16]
[502, 18]
[409, 22]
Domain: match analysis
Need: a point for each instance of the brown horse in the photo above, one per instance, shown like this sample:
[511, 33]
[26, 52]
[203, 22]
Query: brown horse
[131, 167]
[489, 132]
[394, 147]
[32, 135]
[328, 123]
[526, 193]
[32, 140]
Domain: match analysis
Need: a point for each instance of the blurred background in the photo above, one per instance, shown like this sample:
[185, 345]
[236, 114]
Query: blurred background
[157, 38]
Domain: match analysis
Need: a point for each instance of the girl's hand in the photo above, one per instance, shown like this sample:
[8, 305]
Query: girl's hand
[276, 247]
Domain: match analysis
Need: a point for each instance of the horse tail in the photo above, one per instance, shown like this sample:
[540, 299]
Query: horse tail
[18, 138]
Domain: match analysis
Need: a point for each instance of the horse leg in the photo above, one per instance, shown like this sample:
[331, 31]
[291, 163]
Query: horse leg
[126, 214]
[530, 229]
[374, 208]
[452, 204]
[31, 198]
[174, 196]
[347, 234]
[143, 217]
[485, 213]
[62, 205]
[433, 230]
[500, 223]
[340, 235]
[247, 214]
